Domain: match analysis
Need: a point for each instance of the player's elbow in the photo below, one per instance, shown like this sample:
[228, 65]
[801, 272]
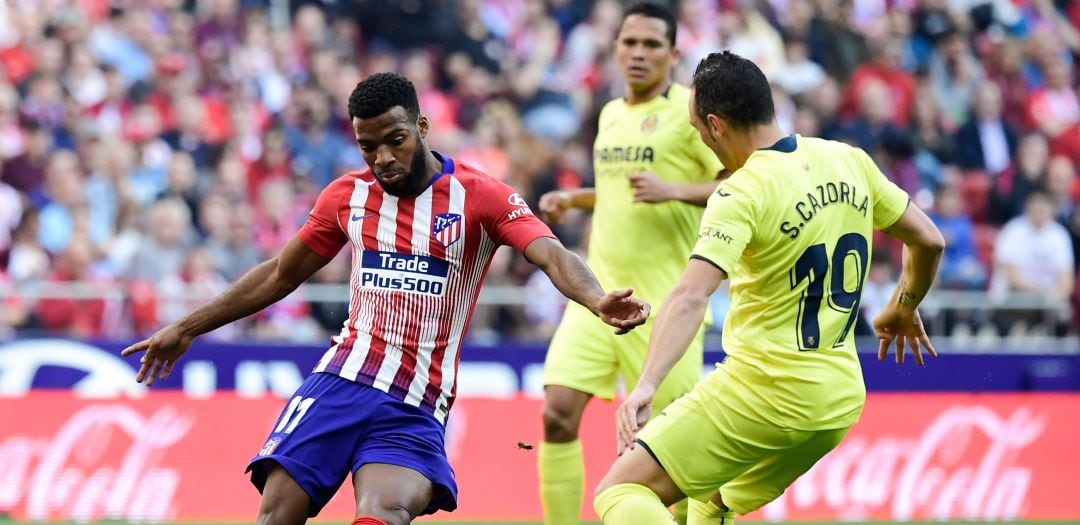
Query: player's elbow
[932, 240]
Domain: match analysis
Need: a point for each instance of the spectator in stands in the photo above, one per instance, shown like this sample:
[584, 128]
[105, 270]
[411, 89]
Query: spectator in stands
[163, 249]
[1061, 186]
[878, 288]
[885, 67]
[1055, 107]
[1011, 188]
[986, 142]
[960, 266]
[79, 318]
[1034, 255]
[799, 74]
[26, 172]
[11, 210]
[954, 75]
[231, 243]
[69, 206]
[319, 151]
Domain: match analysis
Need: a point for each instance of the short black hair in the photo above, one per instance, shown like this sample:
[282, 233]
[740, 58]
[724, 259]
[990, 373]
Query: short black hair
[734, 89]
[379, 93]
[654, 10]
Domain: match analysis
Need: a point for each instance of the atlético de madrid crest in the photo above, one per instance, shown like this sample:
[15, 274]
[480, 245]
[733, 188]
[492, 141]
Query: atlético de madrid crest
[447, 228]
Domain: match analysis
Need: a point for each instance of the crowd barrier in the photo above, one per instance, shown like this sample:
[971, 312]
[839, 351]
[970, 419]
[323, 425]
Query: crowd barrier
[80, 441]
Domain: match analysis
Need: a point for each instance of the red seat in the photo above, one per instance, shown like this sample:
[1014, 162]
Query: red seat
[985, 239]
[974, 189]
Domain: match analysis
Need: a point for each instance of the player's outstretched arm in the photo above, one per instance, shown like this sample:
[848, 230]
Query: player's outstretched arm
[260, 287]
[576, 281]
[674, 330]
[899, 321]
[649, 187]
[554, 204]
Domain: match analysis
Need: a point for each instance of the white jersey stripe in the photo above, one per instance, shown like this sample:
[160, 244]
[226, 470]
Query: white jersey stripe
[427, 306]
[361, 330]
[395, 317]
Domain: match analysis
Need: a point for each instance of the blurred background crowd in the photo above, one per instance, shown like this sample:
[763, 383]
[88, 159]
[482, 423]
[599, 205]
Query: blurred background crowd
[151, 151]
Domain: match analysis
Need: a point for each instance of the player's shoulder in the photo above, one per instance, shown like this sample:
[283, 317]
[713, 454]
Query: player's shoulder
[475, 180]
[833, 149]
[678, 94]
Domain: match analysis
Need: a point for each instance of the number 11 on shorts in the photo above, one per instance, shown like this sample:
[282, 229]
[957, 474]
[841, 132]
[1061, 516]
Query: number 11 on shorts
[298, 406]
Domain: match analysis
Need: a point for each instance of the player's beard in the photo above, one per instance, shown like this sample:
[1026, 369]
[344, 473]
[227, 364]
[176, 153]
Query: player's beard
[411, 185]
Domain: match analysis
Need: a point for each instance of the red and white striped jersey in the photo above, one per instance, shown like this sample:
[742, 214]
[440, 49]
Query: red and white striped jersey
[418, 264]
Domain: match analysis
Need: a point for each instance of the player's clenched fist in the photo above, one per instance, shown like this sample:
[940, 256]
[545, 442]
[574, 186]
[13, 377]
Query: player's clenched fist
[162, 349]
[554, 204]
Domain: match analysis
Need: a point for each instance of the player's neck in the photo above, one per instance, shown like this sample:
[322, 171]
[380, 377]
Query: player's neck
[759, 137]
[642, 97]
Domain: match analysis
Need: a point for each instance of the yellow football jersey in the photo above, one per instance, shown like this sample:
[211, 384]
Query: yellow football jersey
[640, 244]
[793, 228]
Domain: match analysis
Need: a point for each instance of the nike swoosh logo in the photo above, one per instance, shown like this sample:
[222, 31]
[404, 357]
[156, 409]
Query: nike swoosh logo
[722, 193]
[356, 218]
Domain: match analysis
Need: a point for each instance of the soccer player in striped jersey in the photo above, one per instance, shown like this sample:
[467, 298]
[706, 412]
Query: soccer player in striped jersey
[792, 227]
[422, 229]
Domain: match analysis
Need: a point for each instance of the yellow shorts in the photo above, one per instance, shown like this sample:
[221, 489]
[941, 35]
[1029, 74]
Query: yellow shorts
[586, 355]
[715, 438]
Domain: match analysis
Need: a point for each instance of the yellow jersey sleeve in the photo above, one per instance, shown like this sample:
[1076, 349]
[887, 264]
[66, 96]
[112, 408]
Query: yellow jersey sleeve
[890, 201]
[727, 225]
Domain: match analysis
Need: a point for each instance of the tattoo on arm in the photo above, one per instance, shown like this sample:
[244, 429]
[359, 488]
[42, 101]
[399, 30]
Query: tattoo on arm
[908, 299]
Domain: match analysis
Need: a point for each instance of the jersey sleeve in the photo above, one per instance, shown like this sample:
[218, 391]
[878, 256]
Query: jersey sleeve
[506, 216]
[889, 200]
[322, 231]
[727, 225]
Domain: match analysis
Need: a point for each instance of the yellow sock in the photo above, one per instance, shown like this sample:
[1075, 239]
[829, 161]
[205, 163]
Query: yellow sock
[630, 503]
[562, 482]
[707, 513]
[681, 511]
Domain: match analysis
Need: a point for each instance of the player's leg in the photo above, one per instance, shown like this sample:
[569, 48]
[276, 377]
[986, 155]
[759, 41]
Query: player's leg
[400, 469]
[769, 479]
[580, 363]
[391, 494]
[680, 380]
[701, 441]
[636, 490]
[283, 501]
[711, 512]
[306, 457]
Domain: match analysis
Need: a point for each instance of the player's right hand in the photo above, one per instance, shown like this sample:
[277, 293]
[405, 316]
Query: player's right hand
[906, 328]
[554, 204]
[619, 308]
[632, 415]
[162, 349]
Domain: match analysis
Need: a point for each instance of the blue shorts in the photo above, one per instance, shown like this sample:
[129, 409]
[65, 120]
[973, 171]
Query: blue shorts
[333, 426]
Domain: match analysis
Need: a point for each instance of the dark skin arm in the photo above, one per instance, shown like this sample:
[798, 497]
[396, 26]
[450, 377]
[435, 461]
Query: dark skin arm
[574, 279]
[260, 287]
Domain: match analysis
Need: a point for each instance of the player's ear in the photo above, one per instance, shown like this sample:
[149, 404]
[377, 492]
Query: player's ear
[716, 125]
[422, 125]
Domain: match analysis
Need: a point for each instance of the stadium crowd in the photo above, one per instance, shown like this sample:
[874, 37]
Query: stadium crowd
[163, 147]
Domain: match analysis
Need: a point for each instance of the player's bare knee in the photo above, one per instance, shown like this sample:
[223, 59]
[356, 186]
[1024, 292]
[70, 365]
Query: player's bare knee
[560, 423]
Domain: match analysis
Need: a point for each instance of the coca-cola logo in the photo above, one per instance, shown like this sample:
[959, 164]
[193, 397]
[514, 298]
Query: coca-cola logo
[963, 466]
[100, 374]
[103, 463]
